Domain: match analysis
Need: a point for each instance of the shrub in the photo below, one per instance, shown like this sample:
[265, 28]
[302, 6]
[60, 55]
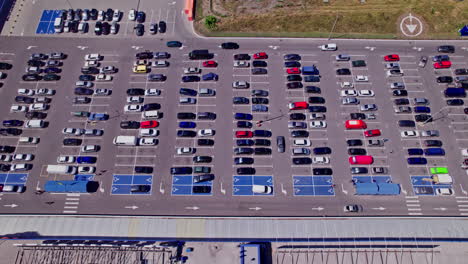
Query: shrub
[210, 22]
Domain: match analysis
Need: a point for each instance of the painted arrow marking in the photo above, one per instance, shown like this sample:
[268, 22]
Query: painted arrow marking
[30, 47]
[133, 207]
[192, 208]
[318, 208]
[411, 28]
[255, 208]
[11, 205]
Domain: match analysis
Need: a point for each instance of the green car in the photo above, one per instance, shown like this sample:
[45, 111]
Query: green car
[174, 44]
[439, 170]
[359, 63]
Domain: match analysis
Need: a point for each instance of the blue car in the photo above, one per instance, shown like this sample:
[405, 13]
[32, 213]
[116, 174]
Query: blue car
[186, 124]
[262, 133]
[210, 77]
[415, 151]
[244, 142]
[243, 116]
[422, 109]
[98, 117]
[191, 78]
[12, 123]
[259, 108]
[434, 152]
[188, 92]
[312, 78]
[86, 159]
[417, 161]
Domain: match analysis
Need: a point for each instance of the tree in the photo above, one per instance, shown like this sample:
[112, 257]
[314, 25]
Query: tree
[210, 22]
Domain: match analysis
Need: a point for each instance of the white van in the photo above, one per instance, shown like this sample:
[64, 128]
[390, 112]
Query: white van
[126, 140]
[35, 124]
[83, 27]
[28, 140]
[262, 189]
[58, 25]
[61, 169]
[150, 114]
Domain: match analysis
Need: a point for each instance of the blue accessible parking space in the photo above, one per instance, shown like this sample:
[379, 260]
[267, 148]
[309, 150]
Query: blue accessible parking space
[46, 23]
[369, 179]
[242, 185]
[13, 178]
[313, 185]
[121, 184]
[84, 177]
[423, 185]
[183, 185]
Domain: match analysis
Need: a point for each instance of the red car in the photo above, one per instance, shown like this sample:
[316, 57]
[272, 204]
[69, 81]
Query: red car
[260, 56]
[210, 64]
[293, 71]
[361, 160]
[149, 124]
[355, 124]
[372, 133]
[298, 105]
[392, 57]
[244, 134]
[442, 64]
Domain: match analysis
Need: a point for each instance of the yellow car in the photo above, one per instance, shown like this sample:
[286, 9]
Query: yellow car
[140, 69]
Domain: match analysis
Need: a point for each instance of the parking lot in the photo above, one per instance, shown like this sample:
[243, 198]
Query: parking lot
[324, 184]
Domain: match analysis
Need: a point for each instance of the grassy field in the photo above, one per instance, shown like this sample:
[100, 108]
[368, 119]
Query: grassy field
[313, 18]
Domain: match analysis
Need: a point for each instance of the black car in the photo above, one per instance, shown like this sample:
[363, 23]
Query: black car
[105, 28]
[205, 142]
[262, 142]
[86, 78]
[181, 170]
[140, 17]
[143, 169]
[93, 14]
[292, 64]
[51, 77]
[245, 142]
[72, 142]
[343, 71]
[52, 70]
[162, 27]
[153, 28]
[83, 91]
[322, 151]
[31, 77]
[229, 45]
[316, 100]
[400, 93]
[201, 189]
[444, 79]
[191, 78]
[354, 142]
[446, 49]
[129, 124]
[98, 28]
[203, 178]
[36, 63]
[260, 100]
[242, 56]
[5, 167]
[406, 123]
[297, 116]
[10, 131]
[186, 133]
[109, 14]
[139, 30]
[423, 118]
[294, 85]
[244, 124]
[357, 116]
[461, 71]
[152, 106]
[35, 115]
[359, 170]
[7, 149]
[256, 71]
[89, 70]
[433, 143]
[262, 151]
[313, 89]
[357, 151]
[245, 171]
[243, 151]
[259, 63]
[202, 159]
[299, 133]
[317, 109]
[322, 171]
[144, 55]
[401, 101]
[73, 26]
[294, 78]
[302, 161]
[240, 100]
[292, 57]
[262, 133]
[24, 99]
[135, 91]
[5, 66]
[455, 102]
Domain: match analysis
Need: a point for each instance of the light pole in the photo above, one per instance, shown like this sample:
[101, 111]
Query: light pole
[432, 118]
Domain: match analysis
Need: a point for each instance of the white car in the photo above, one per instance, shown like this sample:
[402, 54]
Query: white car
[206, 132]
[45, 91]
[397, 85]
[141, 62]
[350, 101]
[38, 107]
[93, 132]
[320, 160]
[92, 63]
[160, 64]
[90, 148]
[132, 108]
[241, 64]
[135, 99]
[262, 189]
[152, 92]
[366, 93]
[409, 133]
[72, 131]
[26, 157]
[147, 141]
[192, 70]
[28, 92]
[329, 47]
[317, 116]
[430, 133]
[103, 78]
[5, 157]
[295, 125]
[66, 159]
[361, 78]
[116, 15]
[132, 15]
[93, 57]
[464, 152]
[21, 167]
[349, 93]
[108, 69]
[18, 108]
[187, 100]
[240, 85]
[302, 142]
[444, 191]
[84, 84]
[102, 92]
[347, 85]
[368, 107]
[318, 124]
[100, 15]
[185, 151]
[148, 132]
[392, 65]
[86, 169]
